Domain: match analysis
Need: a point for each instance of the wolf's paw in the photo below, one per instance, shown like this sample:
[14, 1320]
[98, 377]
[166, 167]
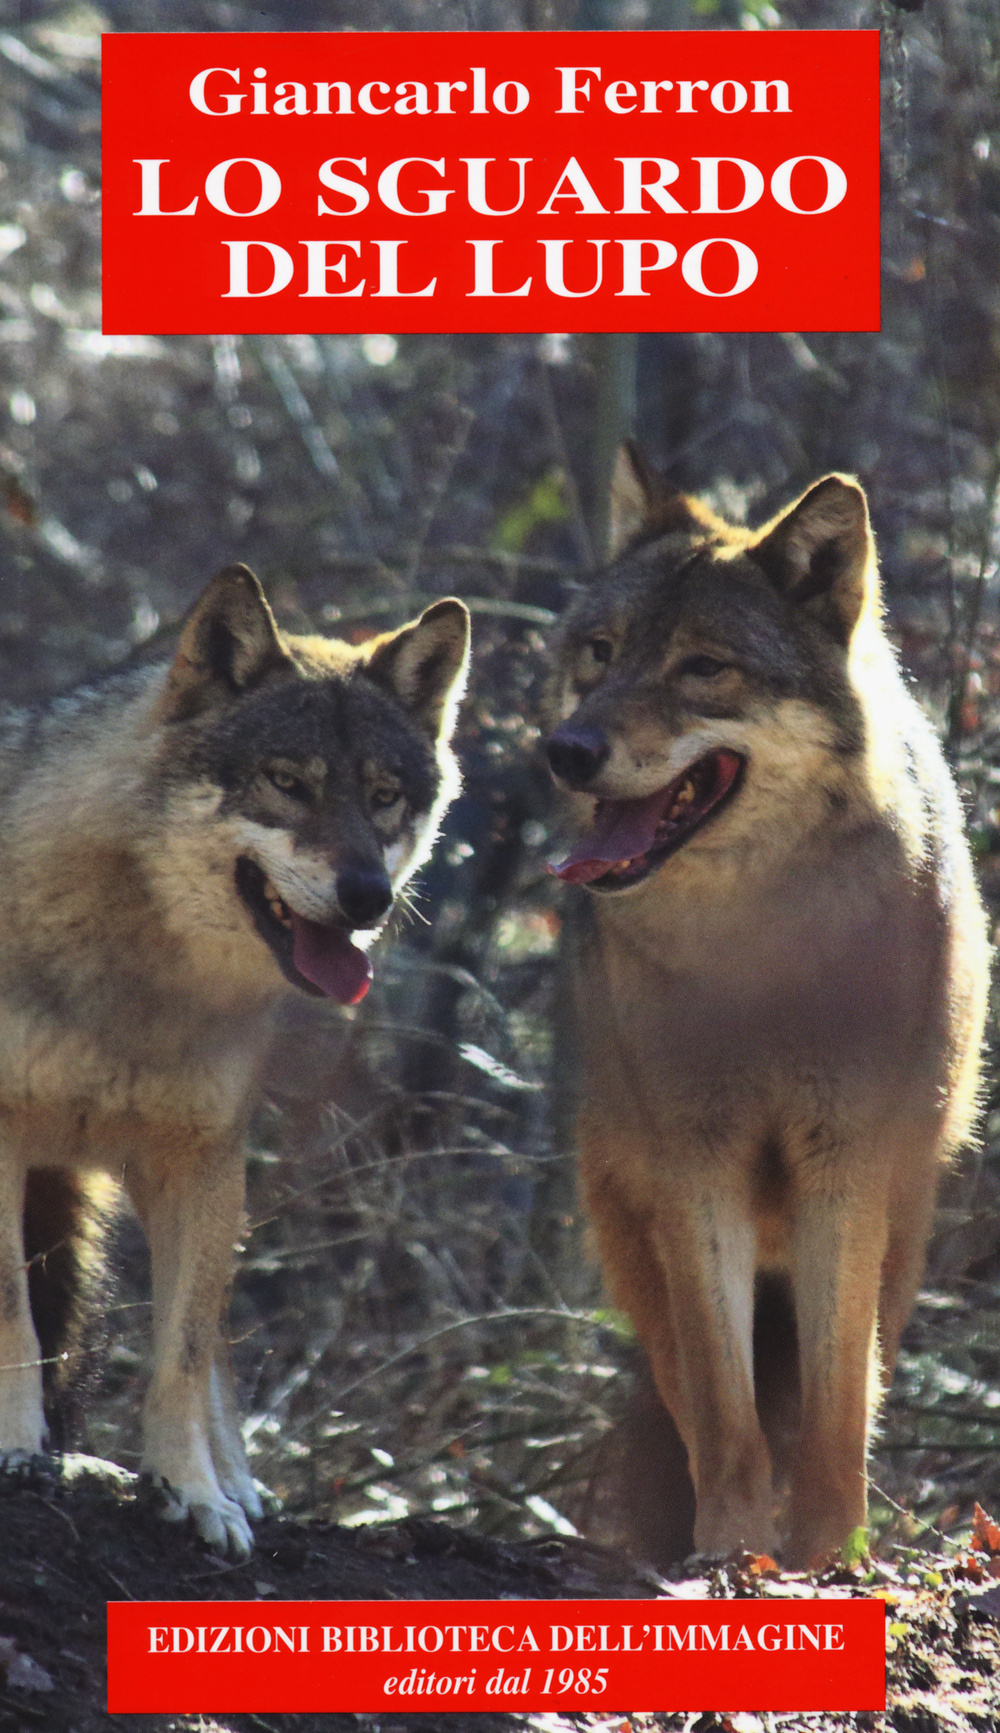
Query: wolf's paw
[256, 1498]
[248, 1496]
[223, 1527]
[220, 1522]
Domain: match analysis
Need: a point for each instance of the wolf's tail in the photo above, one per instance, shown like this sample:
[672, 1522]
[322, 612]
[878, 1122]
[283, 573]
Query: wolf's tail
[66, 1217]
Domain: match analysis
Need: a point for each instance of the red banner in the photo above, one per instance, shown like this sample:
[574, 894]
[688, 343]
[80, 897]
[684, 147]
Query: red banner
[185, 1657]
[520, 181]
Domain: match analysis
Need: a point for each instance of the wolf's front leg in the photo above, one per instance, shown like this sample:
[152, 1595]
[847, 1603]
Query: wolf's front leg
[705, 1242]
[839, 1245]
[189, 1197]
[683, 1268]
[228, 1453]
[22, 1424]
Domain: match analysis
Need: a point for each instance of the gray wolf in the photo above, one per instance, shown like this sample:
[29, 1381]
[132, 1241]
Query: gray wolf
[180, 844]
[781, 986]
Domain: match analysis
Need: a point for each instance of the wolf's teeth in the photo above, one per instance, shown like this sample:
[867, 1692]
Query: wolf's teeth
[682, 799]
[276, 904]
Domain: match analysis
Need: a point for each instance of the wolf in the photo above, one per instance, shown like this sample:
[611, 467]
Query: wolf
[182, 843]
[780, 986]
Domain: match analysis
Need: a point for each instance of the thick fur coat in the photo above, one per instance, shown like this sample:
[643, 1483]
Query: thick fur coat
[180, 844]
[781, 989]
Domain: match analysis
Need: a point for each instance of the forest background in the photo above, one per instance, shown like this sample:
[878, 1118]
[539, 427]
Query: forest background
[416, 1326]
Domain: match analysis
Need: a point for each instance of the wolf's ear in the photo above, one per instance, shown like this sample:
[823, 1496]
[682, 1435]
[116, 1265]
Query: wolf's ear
[821, 553]
[424, 665]
[633, 498]
[229, 643]
[642, 504]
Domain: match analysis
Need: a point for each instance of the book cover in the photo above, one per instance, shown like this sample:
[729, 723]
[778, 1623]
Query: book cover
[430, 1374]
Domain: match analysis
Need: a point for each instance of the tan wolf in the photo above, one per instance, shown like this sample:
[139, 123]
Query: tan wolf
[781, 986]
[179, 843]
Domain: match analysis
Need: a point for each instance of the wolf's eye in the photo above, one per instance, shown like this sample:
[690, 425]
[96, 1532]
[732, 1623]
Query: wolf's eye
[288, 782]
[384, 795]
[702, 666]
[593, 657]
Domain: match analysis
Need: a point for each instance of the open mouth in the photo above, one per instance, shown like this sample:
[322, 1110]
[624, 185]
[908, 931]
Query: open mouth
[630, 838]
[317, 959]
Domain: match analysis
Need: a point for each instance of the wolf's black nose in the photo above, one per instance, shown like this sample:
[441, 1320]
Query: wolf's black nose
[364, 894]
[576, 754]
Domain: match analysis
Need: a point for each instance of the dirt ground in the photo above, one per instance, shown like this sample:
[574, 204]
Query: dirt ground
[70, 1546]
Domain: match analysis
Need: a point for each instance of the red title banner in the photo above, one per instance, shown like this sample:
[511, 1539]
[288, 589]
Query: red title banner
[522, 181]
[184, 1657]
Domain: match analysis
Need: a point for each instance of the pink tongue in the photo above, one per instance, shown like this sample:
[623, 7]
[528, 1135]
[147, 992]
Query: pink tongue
[327, 958]
[622, 830]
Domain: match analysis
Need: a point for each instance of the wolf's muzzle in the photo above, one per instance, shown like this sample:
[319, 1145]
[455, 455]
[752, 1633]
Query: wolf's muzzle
[576, 753]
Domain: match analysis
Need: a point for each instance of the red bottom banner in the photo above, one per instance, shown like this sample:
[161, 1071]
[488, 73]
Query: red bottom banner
[183, 1657]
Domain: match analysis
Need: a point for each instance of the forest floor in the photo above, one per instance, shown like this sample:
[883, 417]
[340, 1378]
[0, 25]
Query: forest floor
[71, 1545]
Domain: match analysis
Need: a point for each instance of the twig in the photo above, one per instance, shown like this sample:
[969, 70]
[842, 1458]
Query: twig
[408, 603]
[509, 1315]
[109, 1573]
[220, 1570]
[438, 487]
[972, 612]
[67, 1519]
[20, 1708]
[298, 410]
[578, 523]
[928, 1528]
